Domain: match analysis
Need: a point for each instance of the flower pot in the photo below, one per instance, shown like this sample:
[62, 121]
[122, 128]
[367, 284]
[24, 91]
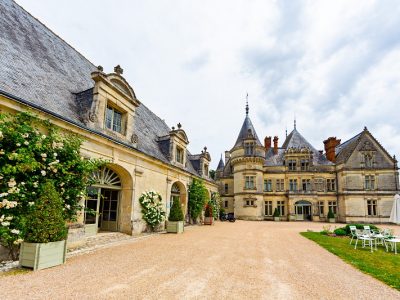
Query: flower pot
[42, 255]
[331, 220]
[292, 218]
[175, 227]
[208, 220]
[277, 219]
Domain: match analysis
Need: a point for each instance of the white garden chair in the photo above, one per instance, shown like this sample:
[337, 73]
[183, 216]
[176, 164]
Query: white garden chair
[353, 233]
[365, 239]
[367, 230]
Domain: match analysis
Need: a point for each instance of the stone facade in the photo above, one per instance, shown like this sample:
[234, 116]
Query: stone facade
[356, 179]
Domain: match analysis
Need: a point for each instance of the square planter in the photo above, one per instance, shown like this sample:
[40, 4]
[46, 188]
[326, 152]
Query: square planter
[42, 255]
[208, 220]
[175, 227]
[331, 220]
[277, 219]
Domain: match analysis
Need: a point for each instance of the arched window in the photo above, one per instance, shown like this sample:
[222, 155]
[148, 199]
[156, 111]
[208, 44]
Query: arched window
[106, 177]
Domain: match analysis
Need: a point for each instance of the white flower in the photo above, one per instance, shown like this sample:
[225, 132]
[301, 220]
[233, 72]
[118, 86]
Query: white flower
[62, 184]
[67, 206]
[12, 183]
[17, 242]
[54, 170]
[31, 203]
[18, 144]
[25, 135]
[1, 135]
[3, 194]
[9, 218]
[55, 154]
[22, 183]
[35, 184]
[2, 152]
[5, 224]
[43, 136]
[43, 173]
[15, 231]
[43, 155]
[26, 143]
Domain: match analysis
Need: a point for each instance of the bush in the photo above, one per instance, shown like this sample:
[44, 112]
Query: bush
[358, 226]
[276, 213]
[331, 215]
[152, 209]
[176, 214]
[197, 198]
[46, 222]
[340, 232]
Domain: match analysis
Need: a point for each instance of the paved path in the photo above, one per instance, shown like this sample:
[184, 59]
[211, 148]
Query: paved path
[242, 260]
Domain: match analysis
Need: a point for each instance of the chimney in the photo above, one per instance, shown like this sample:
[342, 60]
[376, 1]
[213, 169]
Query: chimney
[227, 156]
[267, 143]
[330, 145]
[275, 145]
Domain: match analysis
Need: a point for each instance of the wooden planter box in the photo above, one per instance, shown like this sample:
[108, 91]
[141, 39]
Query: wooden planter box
[208, 220]
[42, 255]
[175, 227]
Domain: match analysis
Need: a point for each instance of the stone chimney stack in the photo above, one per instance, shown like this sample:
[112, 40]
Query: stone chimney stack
[330, 145]
[275, 145]
[227, 156]
[267, 143]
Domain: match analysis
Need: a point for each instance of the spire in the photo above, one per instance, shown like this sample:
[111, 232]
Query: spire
[286, 130]
[221, 164]
[294, 125]
[247, 104]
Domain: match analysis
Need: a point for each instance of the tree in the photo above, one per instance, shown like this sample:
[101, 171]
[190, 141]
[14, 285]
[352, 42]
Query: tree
[176, 214]
[197, 198]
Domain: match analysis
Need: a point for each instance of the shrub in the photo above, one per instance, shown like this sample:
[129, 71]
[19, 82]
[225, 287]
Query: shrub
[215, 205]
[46, 222]
[276, 213]
[208, 211]
[331, 214]
[152, 209]
[176, 214]
[340, 232]
[197, 198]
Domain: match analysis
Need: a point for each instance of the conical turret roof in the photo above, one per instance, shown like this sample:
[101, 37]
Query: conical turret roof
[246, 131]
[221, 164]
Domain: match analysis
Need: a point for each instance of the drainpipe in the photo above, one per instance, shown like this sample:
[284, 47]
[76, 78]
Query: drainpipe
[337, 192]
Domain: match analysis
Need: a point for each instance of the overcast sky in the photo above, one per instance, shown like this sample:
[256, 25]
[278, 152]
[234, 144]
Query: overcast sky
[333, 64]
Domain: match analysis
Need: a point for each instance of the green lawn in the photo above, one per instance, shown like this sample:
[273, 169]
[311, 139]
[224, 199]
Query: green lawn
[384, 266]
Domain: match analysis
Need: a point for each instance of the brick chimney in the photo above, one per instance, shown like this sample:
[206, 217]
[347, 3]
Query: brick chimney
[267, 143]
[330, 145]
[275, 145]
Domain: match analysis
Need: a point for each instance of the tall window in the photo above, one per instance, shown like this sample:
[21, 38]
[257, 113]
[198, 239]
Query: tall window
[321, 208]
[280, 185]
[281, 207]
[268, 208]
[249, 148]
[268, 185]
[369, 182]
[332, 206]
[306, 185]
[319, 184]
[372, 207]
[305, 165]
[179, 155]
[206, 170]
[226, 187]
[331, 185]
[292, 165]
[249, 182]
[226, 203]
[113, 119]
[293, 185]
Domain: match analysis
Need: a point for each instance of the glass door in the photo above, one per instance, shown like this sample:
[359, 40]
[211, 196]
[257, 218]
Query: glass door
[299, 212]
[109, 210]
[92, 210]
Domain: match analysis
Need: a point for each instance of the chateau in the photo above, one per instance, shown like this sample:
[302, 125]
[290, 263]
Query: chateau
[356, 179]
[41, 73]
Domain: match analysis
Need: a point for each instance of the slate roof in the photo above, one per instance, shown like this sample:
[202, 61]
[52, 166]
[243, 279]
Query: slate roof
[247, 127]
[221, 164]
[42, 69]
[344, 150]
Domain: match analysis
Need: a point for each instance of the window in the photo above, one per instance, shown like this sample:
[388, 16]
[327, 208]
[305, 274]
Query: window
[226, 188]
[321, 208]
[268, 208]
[292, 165]
[280, 185]
[332, 206]
[113, 119]
[305, 164]
[250, 203]
[248, 148]
[226, 204]
[371, 206]
[331, 185]
[179, 155]
[206, 170]
[268, 185]
[281, 207]
[249, 182]
[306, 185]
[319, 184]
[293, 185]
[369, 182]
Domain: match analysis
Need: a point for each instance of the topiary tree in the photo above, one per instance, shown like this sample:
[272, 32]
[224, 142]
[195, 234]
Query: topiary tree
[176, 214]
[331, 215]
[46, 222]
[152, 209]
[276, 213]
[197, 198]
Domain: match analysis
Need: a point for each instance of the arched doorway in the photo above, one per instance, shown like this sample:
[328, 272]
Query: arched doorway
[302, 210]
[178, 192]
[103, 201]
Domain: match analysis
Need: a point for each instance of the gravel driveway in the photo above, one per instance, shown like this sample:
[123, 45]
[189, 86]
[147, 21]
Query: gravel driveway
[242, 260]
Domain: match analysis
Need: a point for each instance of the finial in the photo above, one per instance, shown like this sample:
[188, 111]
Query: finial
[247, 104]
[118, 70]
[179, 125]
[100, 68]
[173, 128]
[286, 131]
[205, 149]
[365, 128]
[294, 121]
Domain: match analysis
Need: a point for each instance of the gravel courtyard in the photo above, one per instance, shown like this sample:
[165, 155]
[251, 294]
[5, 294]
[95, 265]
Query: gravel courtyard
[247, 260]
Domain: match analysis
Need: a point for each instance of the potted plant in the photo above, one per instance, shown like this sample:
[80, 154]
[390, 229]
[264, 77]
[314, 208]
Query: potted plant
[276, 215]
[175, 218]
[331, 216]
[208, 215]
[45, 241]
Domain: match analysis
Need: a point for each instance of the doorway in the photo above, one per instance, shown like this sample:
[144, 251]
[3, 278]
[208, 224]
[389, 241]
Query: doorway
[303, 210]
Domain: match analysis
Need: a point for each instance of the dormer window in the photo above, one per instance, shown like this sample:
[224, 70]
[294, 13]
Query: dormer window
[113, 119]
[179, 155]
[249, 148]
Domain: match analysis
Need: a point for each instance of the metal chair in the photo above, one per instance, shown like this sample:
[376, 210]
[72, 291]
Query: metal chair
[365, 238]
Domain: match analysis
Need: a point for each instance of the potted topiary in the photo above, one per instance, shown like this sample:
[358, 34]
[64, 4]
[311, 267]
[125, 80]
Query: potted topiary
[276, 215]
[45, 241]
[208, 215]
[331, 216]
[175, 218]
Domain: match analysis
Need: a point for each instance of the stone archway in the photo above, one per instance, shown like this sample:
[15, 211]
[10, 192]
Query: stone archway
[178, 191]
